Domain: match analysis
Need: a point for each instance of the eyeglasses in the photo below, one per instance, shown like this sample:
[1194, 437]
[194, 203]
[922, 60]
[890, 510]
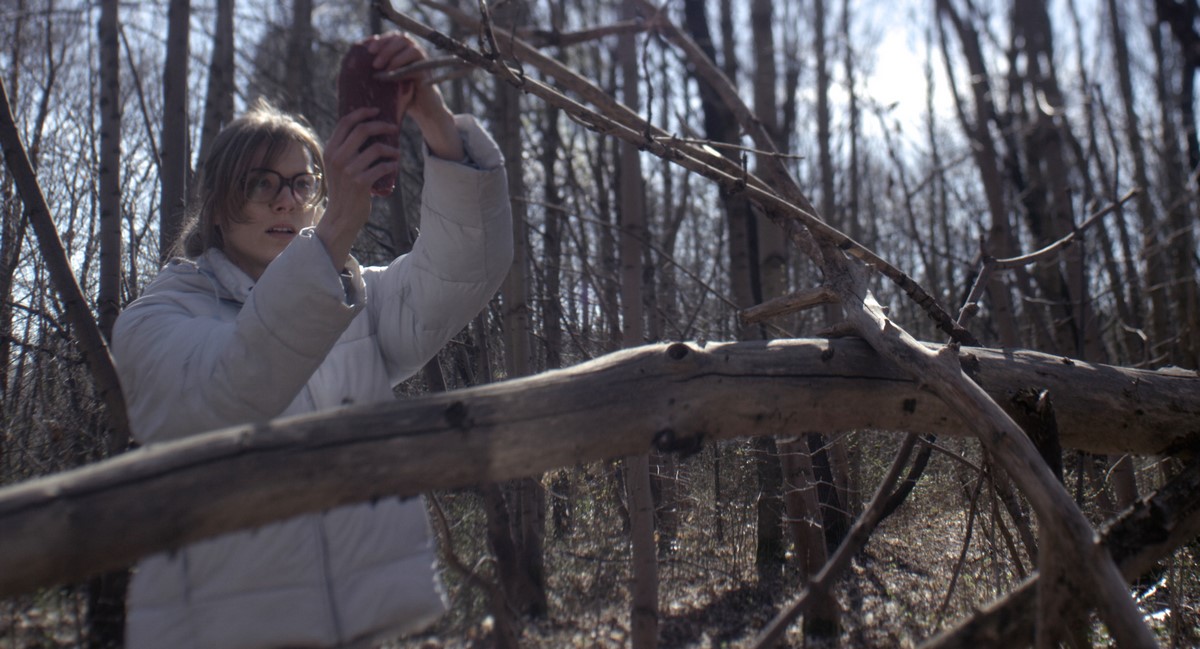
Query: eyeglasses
[264, 185]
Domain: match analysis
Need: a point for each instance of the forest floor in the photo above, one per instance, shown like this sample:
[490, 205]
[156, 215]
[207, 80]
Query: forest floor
[898, 593]
[894, 596]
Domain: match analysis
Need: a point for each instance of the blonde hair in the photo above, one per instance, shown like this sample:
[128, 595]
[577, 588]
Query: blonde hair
[257, 138]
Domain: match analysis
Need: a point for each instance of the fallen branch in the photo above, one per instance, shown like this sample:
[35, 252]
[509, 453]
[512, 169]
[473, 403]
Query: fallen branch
[672, 398]
[786, 304]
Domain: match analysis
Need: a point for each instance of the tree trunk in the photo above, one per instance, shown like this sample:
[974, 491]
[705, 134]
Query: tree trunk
[527, 499]
[1048, 196]
[297, 89]
[999, 237]
[218, 98]
[110, 168]
[173, 150]
[644, 564]
[106, 593]
[1152, 248]
[552, 313]
[1181, 260]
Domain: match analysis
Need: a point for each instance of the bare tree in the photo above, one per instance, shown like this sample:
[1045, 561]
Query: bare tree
[218, 98]
[525, 499]
[297, 90]
[999, 240]
[1025, 161]
[173, 150]
[644, 600]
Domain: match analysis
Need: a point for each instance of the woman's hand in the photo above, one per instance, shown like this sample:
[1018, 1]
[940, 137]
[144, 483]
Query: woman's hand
[416, 96]
[350, 170]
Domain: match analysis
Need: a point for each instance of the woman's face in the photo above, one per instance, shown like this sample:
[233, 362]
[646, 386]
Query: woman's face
[276, 210]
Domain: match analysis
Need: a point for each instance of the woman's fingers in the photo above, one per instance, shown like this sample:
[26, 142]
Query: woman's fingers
[351, 155]
[347, 123]
[394, 51]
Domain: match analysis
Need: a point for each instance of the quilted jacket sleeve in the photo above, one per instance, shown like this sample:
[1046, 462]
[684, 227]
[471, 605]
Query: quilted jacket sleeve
[188, 366]
[460, 258]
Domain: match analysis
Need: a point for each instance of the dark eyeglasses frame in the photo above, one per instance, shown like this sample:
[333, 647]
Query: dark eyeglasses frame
[285, 182]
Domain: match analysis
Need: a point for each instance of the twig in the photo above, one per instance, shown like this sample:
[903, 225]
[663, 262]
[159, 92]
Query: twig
[1013, 262]
[559, 73]
[819, 234]
[502, 615]
[991, 265]
[699, 141]
[1137, 540]
[786, 304]
[414, 69]
[962, 554]
[798, 220]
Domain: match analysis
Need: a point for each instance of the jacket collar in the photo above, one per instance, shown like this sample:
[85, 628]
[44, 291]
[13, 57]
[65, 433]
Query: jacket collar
[231, 282]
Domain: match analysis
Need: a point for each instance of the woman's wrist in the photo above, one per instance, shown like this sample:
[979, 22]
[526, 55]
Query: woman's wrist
[338, 236]
[441, 134]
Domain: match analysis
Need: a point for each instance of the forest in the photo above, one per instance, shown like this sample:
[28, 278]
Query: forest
[830, 324]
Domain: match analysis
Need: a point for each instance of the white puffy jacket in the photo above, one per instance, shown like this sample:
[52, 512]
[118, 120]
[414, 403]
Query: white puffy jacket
[206, 347]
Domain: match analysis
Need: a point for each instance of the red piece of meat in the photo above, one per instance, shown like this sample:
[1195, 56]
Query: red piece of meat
[358, 88]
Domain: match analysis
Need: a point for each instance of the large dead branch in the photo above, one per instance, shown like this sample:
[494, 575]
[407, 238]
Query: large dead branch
[1063, 526]
[1062, 523]
[670, 397]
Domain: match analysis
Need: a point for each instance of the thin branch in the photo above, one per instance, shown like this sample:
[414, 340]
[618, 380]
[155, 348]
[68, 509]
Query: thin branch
[854, 541]
[991, 265]
[786, 304]
[962, 554]
[797, 219]
[414, 69]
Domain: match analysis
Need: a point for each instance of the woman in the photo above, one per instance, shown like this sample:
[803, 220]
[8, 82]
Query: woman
[271, 316]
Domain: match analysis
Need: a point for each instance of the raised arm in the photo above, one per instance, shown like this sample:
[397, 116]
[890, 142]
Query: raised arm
[460, 258]
[191, 361]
